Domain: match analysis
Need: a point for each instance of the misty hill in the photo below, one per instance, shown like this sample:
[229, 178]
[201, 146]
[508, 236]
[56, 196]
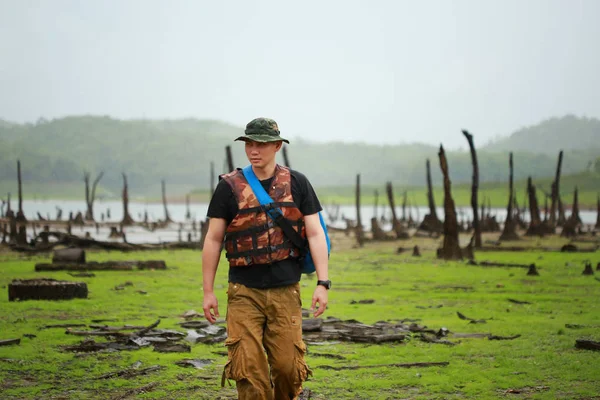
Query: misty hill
[550, 136]
[181, 151]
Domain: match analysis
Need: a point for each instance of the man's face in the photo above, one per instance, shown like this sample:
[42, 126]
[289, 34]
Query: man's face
[261, 154]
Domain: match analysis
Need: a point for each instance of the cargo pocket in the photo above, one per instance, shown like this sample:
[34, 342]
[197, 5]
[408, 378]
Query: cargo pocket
[303, 371]
[236, 364]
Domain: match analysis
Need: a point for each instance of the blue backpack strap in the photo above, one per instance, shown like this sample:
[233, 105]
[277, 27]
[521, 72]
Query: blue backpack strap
[261, 194]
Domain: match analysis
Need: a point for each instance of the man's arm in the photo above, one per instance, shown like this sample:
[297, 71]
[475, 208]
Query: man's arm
[318, 251]
[211, 254]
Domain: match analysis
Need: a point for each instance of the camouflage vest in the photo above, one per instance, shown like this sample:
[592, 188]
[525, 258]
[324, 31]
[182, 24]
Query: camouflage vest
[252, 237]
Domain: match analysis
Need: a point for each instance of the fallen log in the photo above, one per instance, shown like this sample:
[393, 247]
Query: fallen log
[62, 326]
[71, 256]
[494, 337]
[497, 264]
[46, 289]
[471, 320]
[104, 266]
[518, 301]
[8, 342]
[402, 365]
[587, 344]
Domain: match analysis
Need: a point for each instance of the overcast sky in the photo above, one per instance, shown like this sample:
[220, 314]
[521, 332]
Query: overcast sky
[374, 71]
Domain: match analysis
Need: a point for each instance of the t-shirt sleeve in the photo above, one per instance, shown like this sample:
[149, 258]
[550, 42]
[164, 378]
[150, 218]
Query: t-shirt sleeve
[304, 195]
[223, 203]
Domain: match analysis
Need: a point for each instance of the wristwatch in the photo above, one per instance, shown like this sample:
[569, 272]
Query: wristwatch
[326, 283]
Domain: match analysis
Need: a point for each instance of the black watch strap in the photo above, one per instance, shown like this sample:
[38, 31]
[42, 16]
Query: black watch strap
[326, 283]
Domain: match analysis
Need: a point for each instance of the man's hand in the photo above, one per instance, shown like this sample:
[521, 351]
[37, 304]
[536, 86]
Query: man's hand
[211, 307]
[319, 297]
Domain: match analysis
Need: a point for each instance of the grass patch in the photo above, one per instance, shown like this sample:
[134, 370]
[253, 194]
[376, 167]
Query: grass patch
[543, 363]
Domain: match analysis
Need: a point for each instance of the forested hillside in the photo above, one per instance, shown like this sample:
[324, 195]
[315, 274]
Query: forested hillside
[549, 136]
[181, 151]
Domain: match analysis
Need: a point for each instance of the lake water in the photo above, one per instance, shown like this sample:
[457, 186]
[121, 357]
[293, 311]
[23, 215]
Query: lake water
[48, 208]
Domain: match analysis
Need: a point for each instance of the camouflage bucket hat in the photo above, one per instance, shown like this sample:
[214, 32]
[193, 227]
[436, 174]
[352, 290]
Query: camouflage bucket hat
[262, 130]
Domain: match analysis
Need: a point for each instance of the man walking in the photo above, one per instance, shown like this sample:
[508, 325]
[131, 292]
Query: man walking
[264, 311]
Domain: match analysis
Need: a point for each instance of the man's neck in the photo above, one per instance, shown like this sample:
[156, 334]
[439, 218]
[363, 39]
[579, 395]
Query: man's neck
[264, 173]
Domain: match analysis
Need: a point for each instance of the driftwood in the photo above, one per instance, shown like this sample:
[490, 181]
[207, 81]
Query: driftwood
[9, 342]
[497, 264]
[471, 320]
[46, 289]
[587, 344]
[103, 266]
[131, 372]
[402, 365]
[518, 301]
[450, 249]
[333, 329]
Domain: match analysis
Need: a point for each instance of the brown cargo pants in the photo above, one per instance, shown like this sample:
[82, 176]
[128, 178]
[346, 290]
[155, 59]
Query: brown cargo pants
[259, 321]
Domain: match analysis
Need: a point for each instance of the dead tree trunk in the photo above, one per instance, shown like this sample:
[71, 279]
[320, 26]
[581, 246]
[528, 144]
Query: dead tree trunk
[451, 249]
[510, 226]
[575, 210]
[20, 215]
[188, 213]
[561, 212]
[286, 160]
[212, 178]
[474, 189]
[164, 201]
[359, 228]
[90, 196]
[229, 158]
[404, 202]
[555, 191]
[375, 206]
[127, 220]
[574, 222]
[430, 223]
[396, 225]
[536, 227]
[598, 212]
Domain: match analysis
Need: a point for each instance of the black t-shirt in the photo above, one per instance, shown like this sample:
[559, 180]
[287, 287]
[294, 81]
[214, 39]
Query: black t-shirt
[224, 205]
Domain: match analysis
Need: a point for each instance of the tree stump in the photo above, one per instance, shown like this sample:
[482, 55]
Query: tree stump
[46, 289]
[450, 249]
[588, 269]
[378, 233]
[416, 251]
[69, 256]
[532, 270]
[598, 267]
